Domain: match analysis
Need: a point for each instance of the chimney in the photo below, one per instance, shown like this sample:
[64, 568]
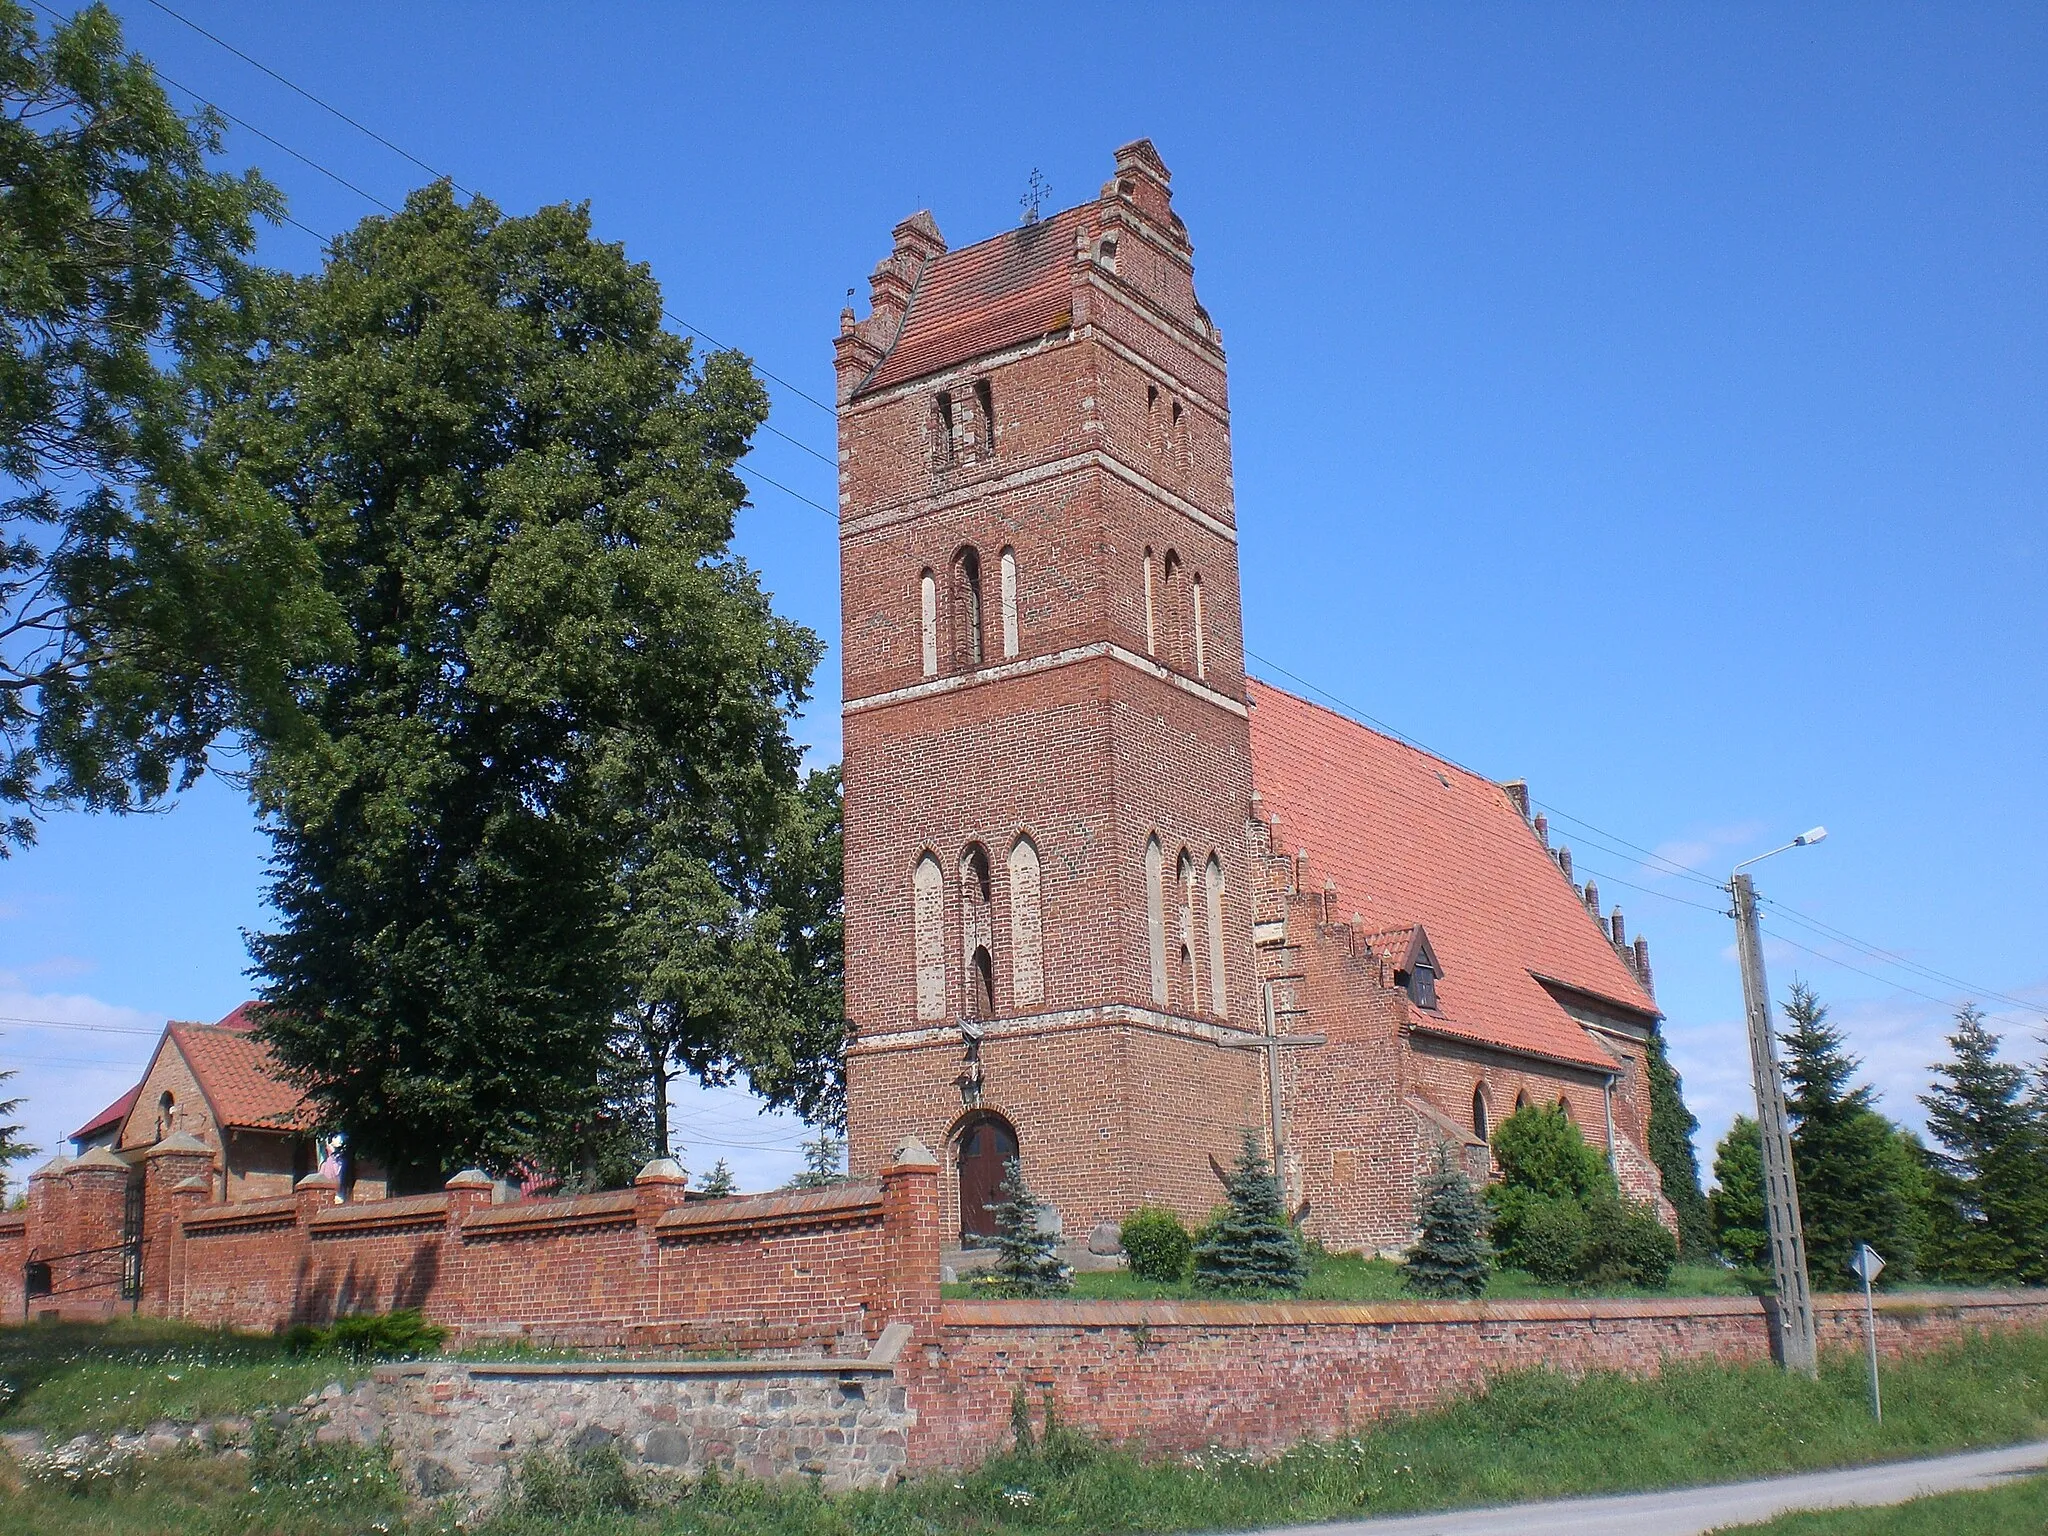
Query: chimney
[1643, 965]
[1518, 794]
[1593, 900]
[1543, 829]
[1620, 934]
[1564, 861]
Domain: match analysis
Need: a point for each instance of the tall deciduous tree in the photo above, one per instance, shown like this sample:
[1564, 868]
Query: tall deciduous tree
[520, 493]
[1845, 1154]
[139, 614]
[1990, 1197]
[1671, 1131]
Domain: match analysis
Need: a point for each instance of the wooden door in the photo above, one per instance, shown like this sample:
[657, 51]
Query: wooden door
[986, 1147]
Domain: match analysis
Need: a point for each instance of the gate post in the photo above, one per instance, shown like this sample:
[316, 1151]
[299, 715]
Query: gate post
[165, 1166]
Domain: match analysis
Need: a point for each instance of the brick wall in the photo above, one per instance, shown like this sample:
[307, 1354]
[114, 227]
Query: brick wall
[1175, 1377]
[635, 1267]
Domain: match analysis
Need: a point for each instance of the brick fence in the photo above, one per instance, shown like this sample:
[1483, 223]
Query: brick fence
[1181, 1376]
[822, 1274]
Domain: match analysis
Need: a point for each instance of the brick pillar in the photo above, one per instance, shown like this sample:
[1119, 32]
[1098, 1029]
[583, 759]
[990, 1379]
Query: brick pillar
[192, 1195]
[49, 1211]
[910, 1217]
[89, 1284]
[448, 1302]
[657, 1189]
[165, 1166]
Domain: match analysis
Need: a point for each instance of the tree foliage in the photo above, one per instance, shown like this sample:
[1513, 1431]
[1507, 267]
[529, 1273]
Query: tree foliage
[1989, 1172]
[1450, 1256]
[1671, 1131]
[1559, 1214]
[558, 684]
[12, 1147]
[1156, 1245]
[719, 1182]
[1737, 1203]
[1845, 1155]
[824, 1162]
[140, 615]
[1250, 1248]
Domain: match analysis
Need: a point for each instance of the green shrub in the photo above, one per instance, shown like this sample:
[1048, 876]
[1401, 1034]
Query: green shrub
[399, 1335]
[1156, 1244]
[1539, 1149]
[1547, 1237]
[1628, 1245]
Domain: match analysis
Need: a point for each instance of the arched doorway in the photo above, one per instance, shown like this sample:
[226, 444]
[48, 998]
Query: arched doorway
[987, 1143]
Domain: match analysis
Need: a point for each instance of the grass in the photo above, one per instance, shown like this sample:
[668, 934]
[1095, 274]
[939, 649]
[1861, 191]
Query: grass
[2008, 1511]
[1348, 1277]
[67, 1379]
[1531, 1435]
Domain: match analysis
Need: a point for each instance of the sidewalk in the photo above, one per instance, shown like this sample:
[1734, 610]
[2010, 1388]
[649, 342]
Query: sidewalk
[1695, 1511]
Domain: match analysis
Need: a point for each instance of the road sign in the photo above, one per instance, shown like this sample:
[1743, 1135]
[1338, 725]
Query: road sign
[1865, 1263]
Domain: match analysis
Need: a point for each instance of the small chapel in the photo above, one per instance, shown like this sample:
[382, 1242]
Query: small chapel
[1110, 901]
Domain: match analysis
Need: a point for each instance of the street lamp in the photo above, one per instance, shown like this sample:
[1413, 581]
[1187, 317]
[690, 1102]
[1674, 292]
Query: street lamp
[1797, 1346]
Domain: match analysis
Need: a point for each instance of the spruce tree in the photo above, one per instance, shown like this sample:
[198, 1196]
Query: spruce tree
[719, 1182]
[1844, 1153]
[12, 1147]
[1027, 1256]
[1250, 1248]
[824, 1163]
[1450, 1256]
[1736, 1206]
[1671, 1132]
[1990, 1204]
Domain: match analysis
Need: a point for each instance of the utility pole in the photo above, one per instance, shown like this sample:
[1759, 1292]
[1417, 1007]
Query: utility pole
[1781, 1192]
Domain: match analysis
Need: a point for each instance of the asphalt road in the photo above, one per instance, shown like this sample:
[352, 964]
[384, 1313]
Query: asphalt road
[1695, 1511]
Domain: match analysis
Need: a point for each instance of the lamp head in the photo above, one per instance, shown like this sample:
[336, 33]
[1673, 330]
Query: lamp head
[1808, 839]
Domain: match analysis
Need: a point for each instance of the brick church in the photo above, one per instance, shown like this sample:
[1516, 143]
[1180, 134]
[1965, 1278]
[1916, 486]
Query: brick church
[1111, 901]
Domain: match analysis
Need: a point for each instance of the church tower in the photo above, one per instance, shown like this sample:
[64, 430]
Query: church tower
[1047, 757]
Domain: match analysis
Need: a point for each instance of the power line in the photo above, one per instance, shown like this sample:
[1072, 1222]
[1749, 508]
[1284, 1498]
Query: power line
[97, 1029]
[1892, 958]
[400, 150]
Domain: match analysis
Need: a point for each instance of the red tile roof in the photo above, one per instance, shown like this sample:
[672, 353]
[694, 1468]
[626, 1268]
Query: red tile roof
[981, 298]
[239, 1076]
[1410, 838]
[112, 1115]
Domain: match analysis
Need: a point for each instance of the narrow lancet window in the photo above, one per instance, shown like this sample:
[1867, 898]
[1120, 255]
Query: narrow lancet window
[928, 622]
[1201, 644]
[977, 933]
[928, 921]
[1009, 579]
[942, 428]
[1027, 964]
[1155, 916]
[967, 651]
[1151, 611]
[1212, 900]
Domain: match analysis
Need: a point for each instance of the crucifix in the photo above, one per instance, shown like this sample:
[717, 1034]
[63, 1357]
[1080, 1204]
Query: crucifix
[1272, 1042]
[1036, 190]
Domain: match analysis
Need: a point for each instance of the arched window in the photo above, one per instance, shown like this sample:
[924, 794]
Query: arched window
[928, 919]
[1027, 966]
[1521, 1101]
[1155, 916]
[1480, 1128]
[944, 445]
[1009, 577]
[1173, 623]
[1212, 900]
[967, 651]
[977, 934]
[928, 622]
[1201, 644]
[985, 414]
[1564, 1106]
[166, 1115]
[986, 1145]
[1151, 609]
[1184, 923]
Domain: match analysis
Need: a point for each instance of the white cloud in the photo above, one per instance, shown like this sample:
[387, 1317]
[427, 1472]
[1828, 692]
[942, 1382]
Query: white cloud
[72, 1055]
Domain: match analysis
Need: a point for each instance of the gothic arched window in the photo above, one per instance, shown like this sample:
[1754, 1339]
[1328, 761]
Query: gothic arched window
[928, 922]
[1008, 567]
[1155, 916]
[928, 622]
[967, 647]
[1480, 1127]
[1027, 964]
[977, 935]
[1212, 901]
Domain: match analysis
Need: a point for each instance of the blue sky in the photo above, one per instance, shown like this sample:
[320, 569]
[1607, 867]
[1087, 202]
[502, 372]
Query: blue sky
[1647, 401]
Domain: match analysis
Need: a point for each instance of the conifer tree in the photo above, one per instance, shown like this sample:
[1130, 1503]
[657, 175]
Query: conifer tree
[1450, 1256]
[824, 1162]
[12, 1147]
[1736, 1206]
[1027, 1256]
[1671, 1131]
[1844, 1153]
[1250, 1248]
[1990, 1203]
[719, 1182]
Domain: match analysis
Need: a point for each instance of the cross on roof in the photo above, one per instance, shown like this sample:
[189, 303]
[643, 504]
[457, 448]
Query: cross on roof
[1036, 191]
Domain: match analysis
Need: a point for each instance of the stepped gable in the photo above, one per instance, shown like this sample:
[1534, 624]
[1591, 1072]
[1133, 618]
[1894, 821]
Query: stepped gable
[1408, 839]
[1015, 287]
[239, 1076]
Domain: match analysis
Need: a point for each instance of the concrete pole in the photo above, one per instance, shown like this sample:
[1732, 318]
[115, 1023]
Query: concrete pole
[1781, 1192]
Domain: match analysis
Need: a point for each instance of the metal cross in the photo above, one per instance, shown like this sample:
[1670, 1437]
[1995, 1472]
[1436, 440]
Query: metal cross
[1272, 1042]
[1036, 191]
